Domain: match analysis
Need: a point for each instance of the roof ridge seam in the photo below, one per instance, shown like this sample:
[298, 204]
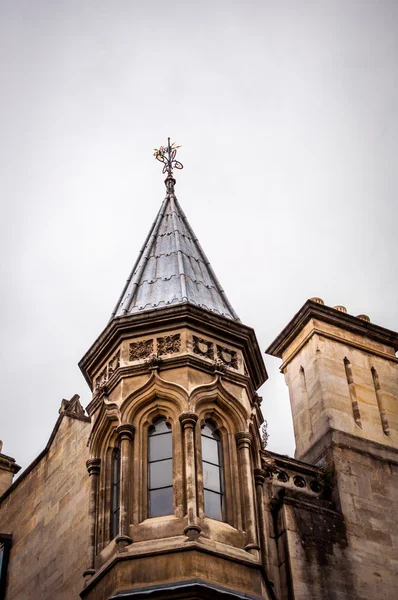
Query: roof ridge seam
[151, 281]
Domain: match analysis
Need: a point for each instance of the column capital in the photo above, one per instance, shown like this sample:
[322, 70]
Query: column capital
[93, 466]
[188, 419]
[126, 431]
[259, 476]
[243, 438]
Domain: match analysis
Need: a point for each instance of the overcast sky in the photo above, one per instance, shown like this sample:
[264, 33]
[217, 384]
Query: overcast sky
[288, 117]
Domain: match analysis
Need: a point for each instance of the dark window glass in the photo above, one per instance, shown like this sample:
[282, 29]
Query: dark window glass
[160, 469]
[5, 545]
[212, 471]
[115, 493]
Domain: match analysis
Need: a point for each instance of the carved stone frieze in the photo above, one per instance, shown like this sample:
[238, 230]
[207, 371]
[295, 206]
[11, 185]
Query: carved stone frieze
[169, 344]
[228, 357]
[114, 363]
[139, 350]
[203, 347]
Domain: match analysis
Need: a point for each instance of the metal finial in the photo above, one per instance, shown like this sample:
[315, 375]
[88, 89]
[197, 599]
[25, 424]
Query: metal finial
[167, 155]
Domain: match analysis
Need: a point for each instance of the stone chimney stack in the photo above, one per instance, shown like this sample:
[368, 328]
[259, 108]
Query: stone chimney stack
[8, 468]
[342, 375]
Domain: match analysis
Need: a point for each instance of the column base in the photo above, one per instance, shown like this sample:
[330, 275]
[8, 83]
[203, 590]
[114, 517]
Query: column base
[192, 532]
[122, 541]
[88, 573]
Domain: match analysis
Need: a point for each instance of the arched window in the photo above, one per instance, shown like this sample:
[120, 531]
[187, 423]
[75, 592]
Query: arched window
[212, 471]
[160, 469]
[115, 493]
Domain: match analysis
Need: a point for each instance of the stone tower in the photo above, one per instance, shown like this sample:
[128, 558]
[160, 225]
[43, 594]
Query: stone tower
[342, 375]
[174, 438]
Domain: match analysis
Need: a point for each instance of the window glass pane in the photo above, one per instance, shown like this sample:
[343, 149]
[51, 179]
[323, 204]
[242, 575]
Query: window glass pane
[115, 497]
[160, 447]
[116, 466]
[161, 502]
[210, 450]
[160, 426]
[211, 477]
[213, 505]
[160, 474]
[209, 430]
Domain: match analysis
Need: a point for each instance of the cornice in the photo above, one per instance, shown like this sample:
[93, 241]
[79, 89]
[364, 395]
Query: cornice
[313, 310]
[163, 319]
[184, 546]
[335, 338]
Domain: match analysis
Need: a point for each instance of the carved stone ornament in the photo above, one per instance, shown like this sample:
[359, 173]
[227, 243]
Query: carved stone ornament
[139, 350]
[203, 347]
[153, 362]
[101, 379]
[228, 357]
[169, 344]
[114, 364]
[71, 407]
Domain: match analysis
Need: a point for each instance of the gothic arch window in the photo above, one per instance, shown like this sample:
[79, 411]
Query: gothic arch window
[213, 484]
[115, 493]
[160, 469]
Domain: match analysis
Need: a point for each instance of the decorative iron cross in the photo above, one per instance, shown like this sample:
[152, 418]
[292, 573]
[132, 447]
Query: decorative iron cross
[167, 155]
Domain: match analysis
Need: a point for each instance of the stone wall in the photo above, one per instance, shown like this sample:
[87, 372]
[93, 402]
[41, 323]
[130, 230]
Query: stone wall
[46, 513]
[347, 548]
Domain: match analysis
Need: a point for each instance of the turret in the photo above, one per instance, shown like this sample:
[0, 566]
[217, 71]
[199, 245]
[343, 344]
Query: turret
[175, 428]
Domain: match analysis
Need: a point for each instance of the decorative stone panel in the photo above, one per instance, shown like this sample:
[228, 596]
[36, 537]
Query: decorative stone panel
[140, 350]
[228, 357]
[169, 344]
[101, 379]
[114, 363]
[203, 347]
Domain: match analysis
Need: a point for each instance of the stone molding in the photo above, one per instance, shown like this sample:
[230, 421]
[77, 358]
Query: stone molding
[126, 431]
[93, 466]
[243, 438]
[188, 419]
[259, 476]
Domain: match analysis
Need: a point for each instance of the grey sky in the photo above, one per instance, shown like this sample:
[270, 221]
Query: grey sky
[288, 117]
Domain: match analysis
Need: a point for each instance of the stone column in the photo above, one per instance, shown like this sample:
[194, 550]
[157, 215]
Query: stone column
[126, 437]
[93, 468]
[188, 422]
[259, 479]
[244, 440]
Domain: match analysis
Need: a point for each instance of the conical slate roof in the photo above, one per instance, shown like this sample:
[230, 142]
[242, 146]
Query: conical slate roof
[172, 269]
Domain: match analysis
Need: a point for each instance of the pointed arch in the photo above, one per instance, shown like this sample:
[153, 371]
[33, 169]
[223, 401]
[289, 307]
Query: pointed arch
[105, 423]
[155, 388]
[216, 397]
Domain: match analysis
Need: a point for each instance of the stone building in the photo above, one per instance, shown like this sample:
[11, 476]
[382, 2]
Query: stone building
[162, 487]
